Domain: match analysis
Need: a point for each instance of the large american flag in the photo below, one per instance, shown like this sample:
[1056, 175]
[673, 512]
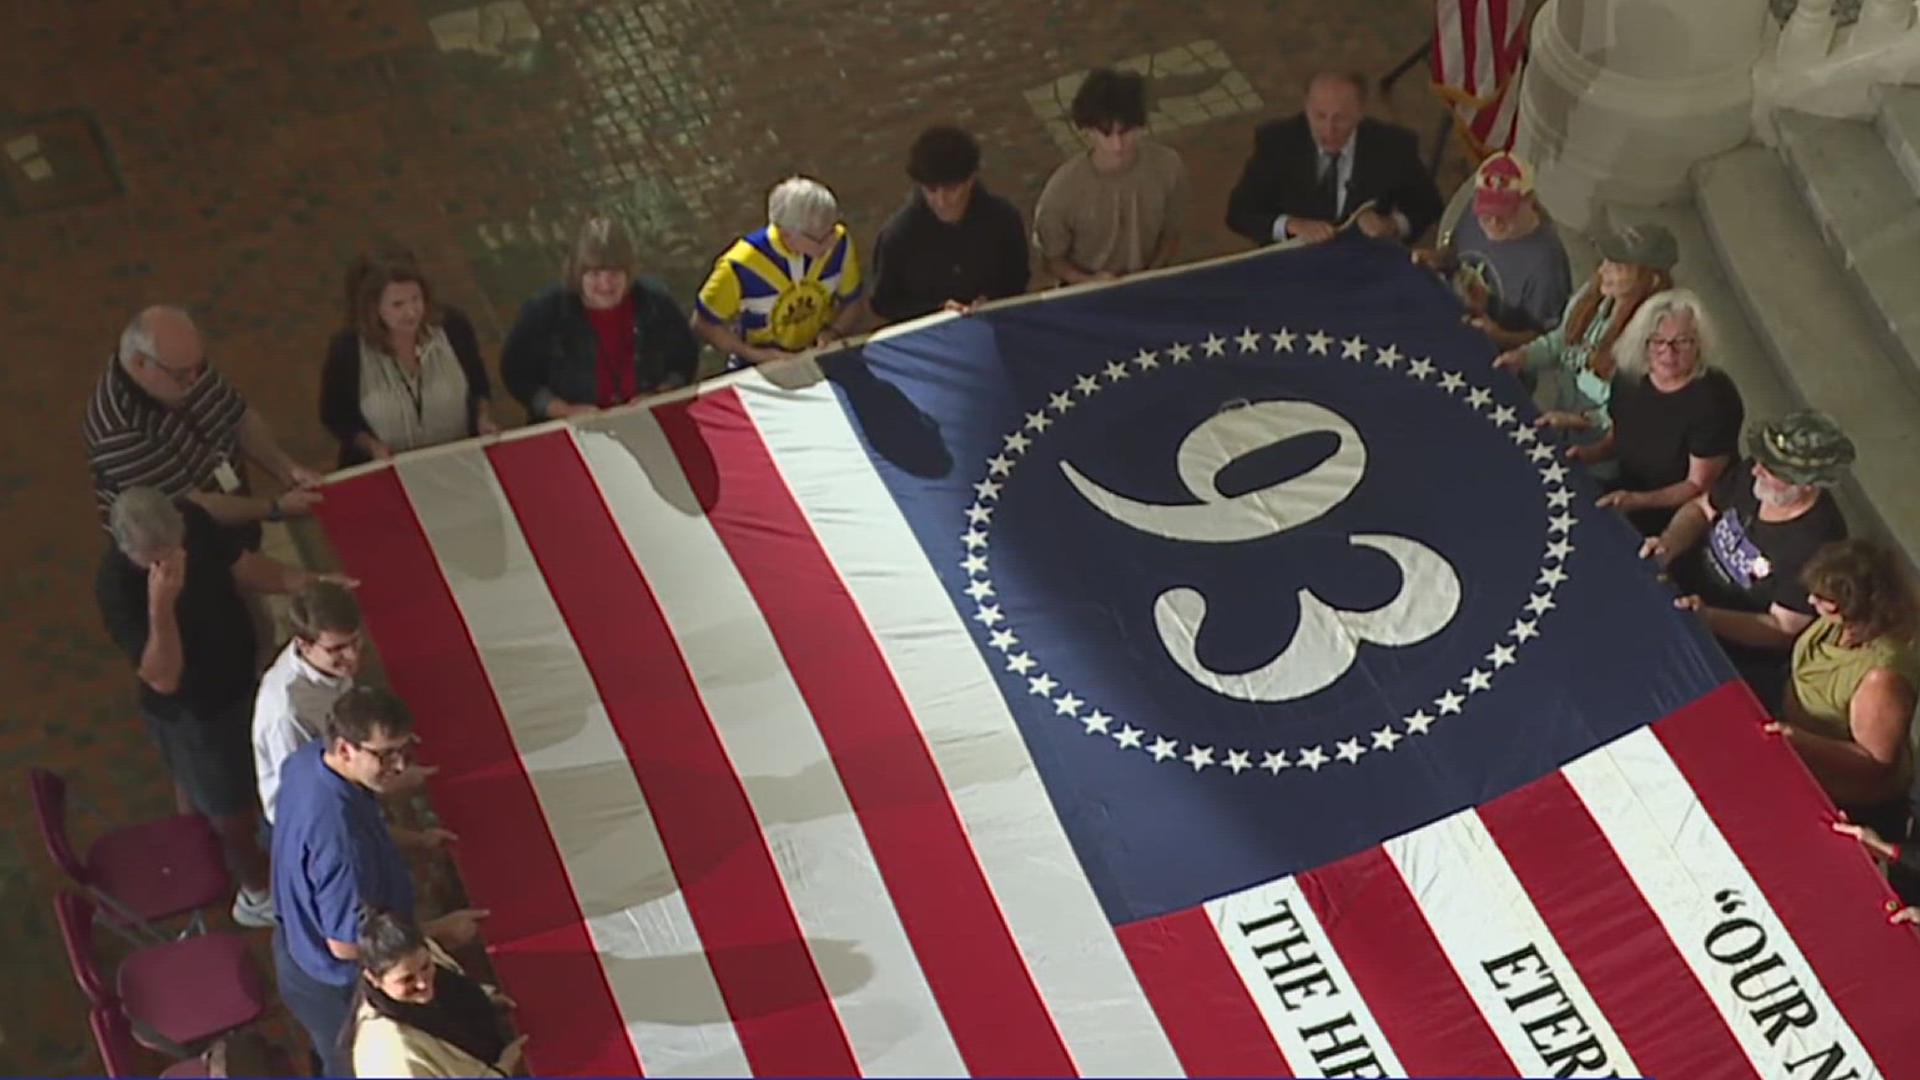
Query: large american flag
[1479, 52]
[1210, 674]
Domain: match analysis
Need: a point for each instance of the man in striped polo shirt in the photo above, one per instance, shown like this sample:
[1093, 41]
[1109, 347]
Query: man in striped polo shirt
[161, 418]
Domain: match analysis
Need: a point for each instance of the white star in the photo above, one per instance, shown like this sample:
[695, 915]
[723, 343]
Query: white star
[1420, 368]
[1096, 722]
[974, 563]
[1559, 498]
[987, 489]
[1087, 385]
[999, 465]
[1017, 442]
[1560, 523]
[1238, 761]
[1021, 663]
[1317, 343]
[1215, 345]
[1283, 341]
[978, 515]
[1551, 576]
[1560, 549]
[1313, 757]
[1147, 360]
[979, 590]
[1479, 397]
[1274, 760]
[1386, 738]
[1038, 421]
[1501, 656]
[1449, 702]
[1353, 348]
[1060, 402]
[1540, 603]
[1128, 737]
[1387, 357]
[1067, 705]
[973, 538]
[988, 614]
[1538, 451]
[1451, 381]
[1504, 415]
[1524, 435]
[1249, 340]
[1003, 640]
[1419, 722]
[1117, 371]
[1181, 353]
[1348, 750]
[1200, 757]
[1042, 685]
[1477, 681]
[1523, 629]
[1162, 748]
[1554, 473]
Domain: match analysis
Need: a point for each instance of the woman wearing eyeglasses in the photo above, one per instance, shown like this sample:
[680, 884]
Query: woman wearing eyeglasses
[416, 1013]
[1676, 419]
[600, 338]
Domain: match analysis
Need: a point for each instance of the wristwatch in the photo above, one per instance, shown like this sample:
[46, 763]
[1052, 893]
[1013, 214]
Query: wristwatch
[274, 512]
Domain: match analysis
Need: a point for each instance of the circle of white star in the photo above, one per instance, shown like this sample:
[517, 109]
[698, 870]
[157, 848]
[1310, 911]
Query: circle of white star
[989, 618]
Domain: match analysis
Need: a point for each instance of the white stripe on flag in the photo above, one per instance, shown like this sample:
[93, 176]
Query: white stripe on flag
[1713, 911]
[592, 803]
[1069, 945]
[1502, 950]
[1447, 30]
[1486, 74]
[1311, 1005]
[838, 896]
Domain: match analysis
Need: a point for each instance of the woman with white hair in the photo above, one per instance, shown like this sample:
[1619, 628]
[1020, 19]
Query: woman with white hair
[1676, 420]
[790, 286]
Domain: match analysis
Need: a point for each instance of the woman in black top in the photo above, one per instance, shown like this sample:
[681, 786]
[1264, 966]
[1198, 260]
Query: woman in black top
[405, 372]
[1676, 421]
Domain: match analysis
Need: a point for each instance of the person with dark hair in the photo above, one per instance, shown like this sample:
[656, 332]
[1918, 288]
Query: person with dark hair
[1120, 207]
[1850, 698]
[416, 1013]
[298, 689]
[603, 336]
[1312, 171]
[334, 856]
[954, 244]
[404, 372]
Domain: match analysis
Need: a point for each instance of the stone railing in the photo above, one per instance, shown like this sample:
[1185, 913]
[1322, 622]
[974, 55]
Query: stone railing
[1830, 54]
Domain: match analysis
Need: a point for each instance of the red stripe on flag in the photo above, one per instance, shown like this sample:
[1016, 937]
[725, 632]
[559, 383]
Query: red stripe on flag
[971, 962]
[1616, 943]
[1215, 1027]
[1398, 968]
[1775, 816]
[786, 1021]
[540, 945]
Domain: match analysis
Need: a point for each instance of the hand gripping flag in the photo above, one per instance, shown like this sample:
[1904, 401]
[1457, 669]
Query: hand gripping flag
[1213, 674]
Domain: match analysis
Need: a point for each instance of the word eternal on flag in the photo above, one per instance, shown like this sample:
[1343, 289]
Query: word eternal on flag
[1214, 674]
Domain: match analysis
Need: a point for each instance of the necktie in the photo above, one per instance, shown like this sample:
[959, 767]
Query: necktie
[1327, 192]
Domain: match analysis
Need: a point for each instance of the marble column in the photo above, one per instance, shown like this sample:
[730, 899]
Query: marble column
[1622, 97]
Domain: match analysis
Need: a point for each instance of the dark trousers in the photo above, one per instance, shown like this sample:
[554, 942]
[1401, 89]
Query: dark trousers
[321, 1008]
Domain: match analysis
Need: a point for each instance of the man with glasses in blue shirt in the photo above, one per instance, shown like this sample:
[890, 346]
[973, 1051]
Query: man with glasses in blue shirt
[334, 857]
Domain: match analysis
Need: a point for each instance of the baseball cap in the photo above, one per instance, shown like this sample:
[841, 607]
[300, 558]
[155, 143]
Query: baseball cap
[1501, 184]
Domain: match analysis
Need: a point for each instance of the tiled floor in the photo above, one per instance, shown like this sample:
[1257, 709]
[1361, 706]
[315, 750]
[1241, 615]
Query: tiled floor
[232, 155]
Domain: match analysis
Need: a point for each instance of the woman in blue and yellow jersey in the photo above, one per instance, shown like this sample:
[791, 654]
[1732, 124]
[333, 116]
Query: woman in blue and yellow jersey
[785, 288]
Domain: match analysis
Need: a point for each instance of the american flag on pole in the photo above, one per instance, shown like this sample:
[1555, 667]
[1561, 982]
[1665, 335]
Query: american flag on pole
[1212, 674]
[1479, 51]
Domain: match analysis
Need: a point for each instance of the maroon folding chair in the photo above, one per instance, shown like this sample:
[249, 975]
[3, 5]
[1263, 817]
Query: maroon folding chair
[178, 996]
[113, 1037]
[141, 874]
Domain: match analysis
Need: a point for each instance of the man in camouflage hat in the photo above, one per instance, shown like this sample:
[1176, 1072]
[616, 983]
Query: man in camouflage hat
[1760, 524]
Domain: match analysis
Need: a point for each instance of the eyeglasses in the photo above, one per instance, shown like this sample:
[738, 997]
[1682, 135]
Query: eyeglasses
[181, 376]
[337, 648]
[392, 757]
[1673, 343]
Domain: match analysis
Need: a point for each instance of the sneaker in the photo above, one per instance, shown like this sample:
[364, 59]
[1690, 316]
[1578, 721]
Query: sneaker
[254, 909]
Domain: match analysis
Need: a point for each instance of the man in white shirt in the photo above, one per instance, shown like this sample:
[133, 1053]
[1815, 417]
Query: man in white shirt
[299, 688]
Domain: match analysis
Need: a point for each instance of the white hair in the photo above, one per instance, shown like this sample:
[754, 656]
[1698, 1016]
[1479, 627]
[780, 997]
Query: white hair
[1630, 349]
[801, 204]
[145, 522]
[137, 339]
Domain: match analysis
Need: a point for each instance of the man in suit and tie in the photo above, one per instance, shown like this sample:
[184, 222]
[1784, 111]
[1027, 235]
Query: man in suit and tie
[1309, 172]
